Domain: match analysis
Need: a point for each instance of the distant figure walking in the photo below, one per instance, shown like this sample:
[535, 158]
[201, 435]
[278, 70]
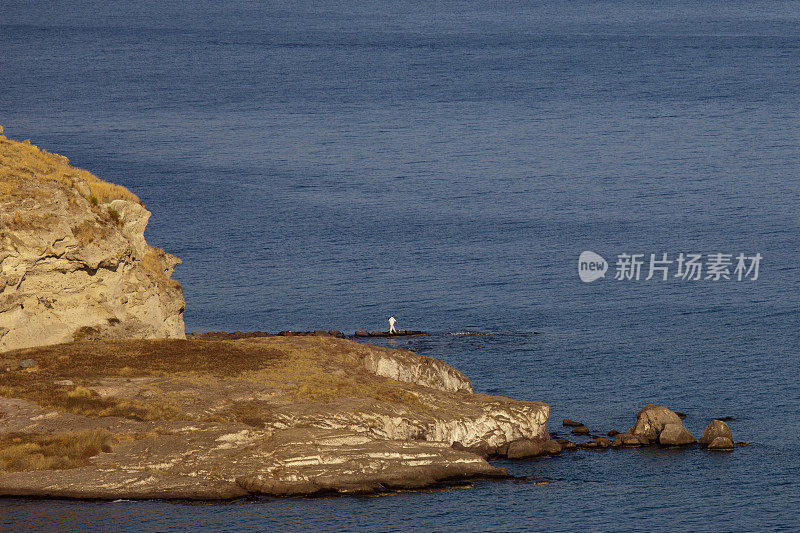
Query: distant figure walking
[392, 321]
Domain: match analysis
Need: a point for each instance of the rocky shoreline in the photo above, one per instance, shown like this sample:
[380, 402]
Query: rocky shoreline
[103, 396]
[275, 416]
[281, 416]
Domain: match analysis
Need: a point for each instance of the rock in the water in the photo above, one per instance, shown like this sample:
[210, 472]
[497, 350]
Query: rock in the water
[717, 428]
[570, 423]
[580, 430]
[361, 333]
[602, 442]
[27, 363]
[720, 443]
[523, 448]
[651, 421]
[551, 447]
[626, 439]
[675, 435]
[680, 414]
[613, 433]
[74, 263]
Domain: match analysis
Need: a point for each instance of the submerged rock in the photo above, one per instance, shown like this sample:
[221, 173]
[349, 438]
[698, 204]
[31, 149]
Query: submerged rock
[628, 440]
[602, 442]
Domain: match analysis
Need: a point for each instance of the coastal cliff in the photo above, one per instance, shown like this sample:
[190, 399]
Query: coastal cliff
[102, 396]
[269, 415]
[74, 263]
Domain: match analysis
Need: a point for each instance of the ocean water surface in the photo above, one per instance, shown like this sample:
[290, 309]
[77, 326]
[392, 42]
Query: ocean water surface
[323, 165]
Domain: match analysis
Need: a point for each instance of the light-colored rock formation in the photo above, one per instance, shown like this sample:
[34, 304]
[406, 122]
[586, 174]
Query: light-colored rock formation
[73, 259]
[408, 367]
[270, 415]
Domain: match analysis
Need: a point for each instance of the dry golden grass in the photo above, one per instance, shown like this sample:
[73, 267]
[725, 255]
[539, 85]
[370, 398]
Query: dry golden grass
[312, 369]
[23, 162]
[24, 451]
[328, 388]
[90, 231]
[153, 261]
[27, 221]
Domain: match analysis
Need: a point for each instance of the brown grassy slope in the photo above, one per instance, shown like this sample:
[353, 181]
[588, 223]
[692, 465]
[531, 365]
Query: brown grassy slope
[314, 369]
[23, 162]
[28, 451]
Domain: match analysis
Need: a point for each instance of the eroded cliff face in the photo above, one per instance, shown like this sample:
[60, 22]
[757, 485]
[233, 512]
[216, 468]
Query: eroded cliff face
[74, 263]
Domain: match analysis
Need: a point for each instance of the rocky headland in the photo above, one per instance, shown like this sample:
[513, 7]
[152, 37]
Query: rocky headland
[268, 415]
[103, 396]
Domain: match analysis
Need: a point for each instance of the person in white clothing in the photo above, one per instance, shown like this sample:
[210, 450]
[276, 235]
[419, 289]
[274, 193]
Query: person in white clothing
[392, 321]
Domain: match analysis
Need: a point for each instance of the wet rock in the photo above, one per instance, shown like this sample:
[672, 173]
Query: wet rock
[603, 442]
[562, 441]
[651, 421]
[717, 428]
[727, 419]
[720, 443]
[570, 423]
[590, 445]
[613, 433]
[523, 448]
[361, 333]
[502, 450]
[675, 435]
[569, 446]
[551, 447]
[628, 440]
[680, 415]
[580, 430]
[27, 363]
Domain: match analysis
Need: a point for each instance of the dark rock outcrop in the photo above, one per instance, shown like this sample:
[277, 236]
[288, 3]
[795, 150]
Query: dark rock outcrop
[675, 435]
[523, 449]
[717, 436]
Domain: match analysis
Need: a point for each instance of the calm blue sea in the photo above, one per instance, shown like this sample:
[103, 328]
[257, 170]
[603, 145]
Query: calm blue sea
[328, 164]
